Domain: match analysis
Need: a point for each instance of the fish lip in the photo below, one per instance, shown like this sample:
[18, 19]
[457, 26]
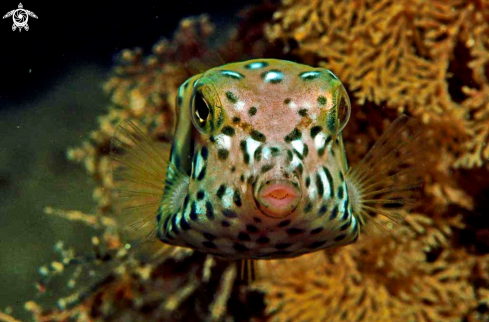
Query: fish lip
[276, 210]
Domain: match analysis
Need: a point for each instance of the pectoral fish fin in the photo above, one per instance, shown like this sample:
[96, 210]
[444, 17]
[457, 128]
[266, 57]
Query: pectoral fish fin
[388, 179]
[139, 171]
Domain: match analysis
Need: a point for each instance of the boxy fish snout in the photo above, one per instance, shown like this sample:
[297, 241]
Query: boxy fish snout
[278, 198]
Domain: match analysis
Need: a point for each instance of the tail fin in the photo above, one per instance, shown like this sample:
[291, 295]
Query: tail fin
[386, 181]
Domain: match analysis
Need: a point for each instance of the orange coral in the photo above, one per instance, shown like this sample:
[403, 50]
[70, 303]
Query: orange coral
[414, 276]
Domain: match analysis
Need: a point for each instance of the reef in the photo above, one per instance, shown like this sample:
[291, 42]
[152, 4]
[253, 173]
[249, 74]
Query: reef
[428, 59]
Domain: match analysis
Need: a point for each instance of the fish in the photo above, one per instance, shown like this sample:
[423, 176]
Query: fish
[257, 167]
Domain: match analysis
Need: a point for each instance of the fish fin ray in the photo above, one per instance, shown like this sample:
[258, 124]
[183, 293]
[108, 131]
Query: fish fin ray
[386, 181]
[139, 169]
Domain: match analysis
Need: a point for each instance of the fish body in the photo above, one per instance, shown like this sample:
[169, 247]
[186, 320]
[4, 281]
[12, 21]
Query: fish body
[257, 168]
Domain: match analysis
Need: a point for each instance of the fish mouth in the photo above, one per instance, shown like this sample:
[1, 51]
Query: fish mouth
[278, 198]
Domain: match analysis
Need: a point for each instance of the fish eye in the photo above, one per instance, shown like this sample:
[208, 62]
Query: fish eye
[340, 112]
[200, 111]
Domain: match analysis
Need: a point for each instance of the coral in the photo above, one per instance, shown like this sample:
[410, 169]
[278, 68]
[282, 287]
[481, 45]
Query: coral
[429, 59]
[413, 276]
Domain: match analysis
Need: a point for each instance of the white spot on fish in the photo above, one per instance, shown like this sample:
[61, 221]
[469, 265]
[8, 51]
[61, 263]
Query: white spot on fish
[298, 145]
[256, 65]
[319, 140]
[310, 74]
[251, 146]
[273, 76]
[227, 199]
[199, 163]
[324, 179]
[231, 73]
[292, 105]
[266, 153]
[239, 105]
[223, 141]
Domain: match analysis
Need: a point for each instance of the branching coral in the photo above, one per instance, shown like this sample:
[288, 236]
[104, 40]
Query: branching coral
[413, 276]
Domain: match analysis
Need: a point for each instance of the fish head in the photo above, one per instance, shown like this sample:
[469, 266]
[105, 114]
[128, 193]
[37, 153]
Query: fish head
[266, 162]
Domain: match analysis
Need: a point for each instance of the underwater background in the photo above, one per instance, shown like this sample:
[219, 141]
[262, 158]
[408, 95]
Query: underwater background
[82, 68]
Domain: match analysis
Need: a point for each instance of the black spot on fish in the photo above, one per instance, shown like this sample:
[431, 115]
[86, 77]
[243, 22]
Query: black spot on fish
[229, 213]
[287, 101]
[322, 100]
[252, 229]
[295, 134]
[252, 111]
[317, 244]
[202, 173]
[240, 247]
[340, 237]
[233, 169]
[242, 178]
[315, 131]
[221, 191]
[246, 156]
[283, 245]
[231, 97]
[275, 151]
[236, 120]
[319, 184]
[284, 223]
[185, 202]
[244, 236]
[209, 210]
[228, 130]
[305, 151]
[258, 136]
[266, 167]
[294, 231]
[212, 139]
[308, 182]
[299, 169]
[263, 240]
[258, 153]
[290, 156]
[322, 210]
[193, 212]
[225, 223]
[340, 192]
[204, 152]
[200, 194]
[298, 154]
[209, 244]
[184, 225]
[345, 215]
[316, 230]
[174, 227]
[334, 213]
[222, 154]
[179, 100]
[308, 207]
[256, 219]
[237, 198]
[303, 112]
[345, 225]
